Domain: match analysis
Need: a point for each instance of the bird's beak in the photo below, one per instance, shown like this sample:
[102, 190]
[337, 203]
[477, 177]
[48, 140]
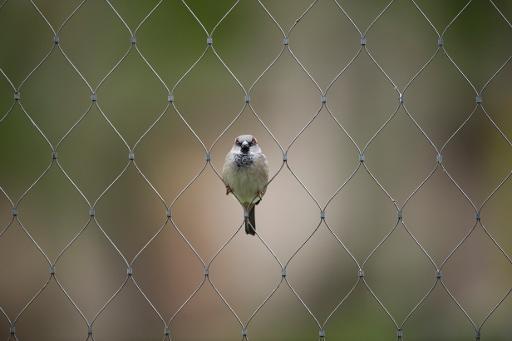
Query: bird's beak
[244, 147]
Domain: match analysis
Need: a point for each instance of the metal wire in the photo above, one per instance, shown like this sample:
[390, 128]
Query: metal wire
[359, 166]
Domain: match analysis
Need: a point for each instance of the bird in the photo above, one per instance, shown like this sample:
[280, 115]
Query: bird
[245, 174]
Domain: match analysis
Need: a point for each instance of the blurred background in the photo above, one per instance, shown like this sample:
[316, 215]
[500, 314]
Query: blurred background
[400, 157]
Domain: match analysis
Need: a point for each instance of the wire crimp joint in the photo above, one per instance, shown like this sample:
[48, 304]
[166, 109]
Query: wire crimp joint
[400, 333]
[439, 158]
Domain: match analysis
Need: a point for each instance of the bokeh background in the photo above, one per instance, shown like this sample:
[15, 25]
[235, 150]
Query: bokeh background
[362, 99]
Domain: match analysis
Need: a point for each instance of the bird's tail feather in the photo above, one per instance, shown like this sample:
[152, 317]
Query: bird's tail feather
[250, 222]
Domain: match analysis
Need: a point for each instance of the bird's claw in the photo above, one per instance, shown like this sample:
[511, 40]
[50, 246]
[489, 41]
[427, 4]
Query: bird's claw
[259, 196]
[228, 190]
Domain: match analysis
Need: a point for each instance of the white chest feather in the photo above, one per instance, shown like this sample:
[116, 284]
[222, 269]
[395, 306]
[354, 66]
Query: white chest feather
[248, 181]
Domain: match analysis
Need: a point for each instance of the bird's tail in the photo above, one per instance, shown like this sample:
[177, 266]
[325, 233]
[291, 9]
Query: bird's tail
[250, 222]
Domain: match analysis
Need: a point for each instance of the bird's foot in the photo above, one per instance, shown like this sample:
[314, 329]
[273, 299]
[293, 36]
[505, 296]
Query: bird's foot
[259, 196]
[228, 190]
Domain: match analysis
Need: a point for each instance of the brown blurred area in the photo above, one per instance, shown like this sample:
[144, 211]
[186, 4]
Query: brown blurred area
[400, 157]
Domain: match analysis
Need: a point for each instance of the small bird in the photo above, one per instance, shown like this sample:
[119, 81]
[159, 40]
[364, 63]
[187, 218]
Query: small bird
[245, 174]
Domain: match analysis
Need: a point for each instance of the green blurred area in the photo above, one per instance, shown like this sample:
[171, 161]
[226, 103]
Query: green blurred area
[131, 97]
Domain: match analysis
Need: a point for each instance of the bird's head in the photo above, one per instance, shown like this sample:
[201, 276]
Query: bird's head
[246, 144]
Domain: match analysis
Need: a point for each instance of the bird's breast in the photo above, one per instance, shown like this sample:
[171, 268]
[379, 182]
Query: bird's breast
[246, 175]
[243, 160]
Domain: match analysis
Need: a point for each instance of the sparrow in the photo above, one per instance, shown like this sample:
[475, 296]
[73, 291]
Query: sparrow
[245, 174]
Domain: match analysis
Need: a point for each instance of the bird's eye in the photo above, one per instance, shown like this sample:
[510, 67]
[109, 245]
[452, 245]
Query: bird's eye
[237, 142]
[253, 141]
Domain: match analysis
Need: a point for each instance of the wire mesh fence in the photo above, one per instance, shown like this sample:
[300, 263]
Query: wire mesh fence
[37, 151]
